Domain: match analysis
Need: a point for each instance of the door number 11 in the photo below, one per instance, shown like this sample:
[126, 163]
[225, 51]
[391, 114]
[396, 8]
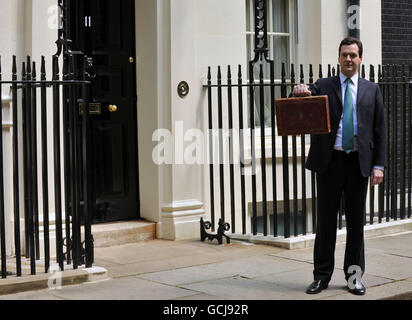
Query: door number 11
[88, 21]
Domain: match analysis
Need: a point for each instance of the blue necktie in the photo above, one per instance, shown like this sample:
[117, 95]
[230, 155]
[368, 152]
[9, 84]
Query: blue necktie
[347, 132]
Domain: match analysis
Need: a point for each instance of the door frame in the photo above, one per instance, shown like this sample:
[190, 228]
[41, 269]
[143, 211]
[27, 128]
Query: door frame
[72, 18]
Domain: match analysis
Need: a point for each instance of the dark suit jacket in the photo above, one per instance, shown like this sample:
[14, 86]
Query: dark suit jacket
[371, 126]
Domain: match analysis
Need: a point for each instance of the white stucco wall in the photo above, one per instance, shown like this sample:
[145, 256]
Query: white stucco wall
[25, 31]
[309, 46]
[221, 41]
[371, 32]
[190, 37]
[11, 42]
[43, 34]
[153, 78]
[335, 28]
[12, 23]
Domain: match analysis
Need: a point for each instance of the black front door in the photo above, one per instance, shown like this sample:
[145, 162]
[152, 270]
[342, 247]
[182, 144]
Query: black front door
[105, 31]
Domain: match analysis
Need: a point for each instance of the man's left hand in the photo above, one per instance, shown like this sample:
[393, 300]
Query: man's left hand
[377, 177]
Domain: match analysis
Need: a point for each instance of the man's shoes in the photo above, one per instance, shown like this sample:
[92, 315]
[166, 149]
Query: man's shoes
[357, 288]
[317, 286]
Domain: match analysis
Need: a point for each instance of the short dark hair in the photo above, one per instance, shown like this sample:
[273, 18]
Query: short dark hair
[350, 40]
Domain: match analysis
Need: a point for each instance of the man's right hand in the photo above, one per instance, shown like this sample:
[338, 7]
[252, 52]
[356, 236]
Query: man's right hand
[301, 90]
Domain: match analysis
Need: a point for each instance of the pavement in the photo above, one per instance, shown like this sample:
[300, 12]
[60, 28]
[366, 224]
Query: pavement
[195, 270]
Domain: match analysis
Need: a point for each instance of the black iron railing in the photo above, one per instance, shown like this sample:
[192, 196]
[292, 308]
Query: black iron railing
[254, 201]
[72, 245]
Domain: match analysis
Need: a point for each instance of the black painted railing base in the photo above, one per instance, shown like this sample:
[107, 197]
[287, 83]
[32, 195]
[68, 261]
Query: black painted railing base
[220, 231]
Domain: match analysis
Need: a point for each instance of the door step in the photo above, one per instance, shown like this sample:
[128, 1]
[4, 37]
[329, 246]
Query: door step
[108, 234]
[123, 232]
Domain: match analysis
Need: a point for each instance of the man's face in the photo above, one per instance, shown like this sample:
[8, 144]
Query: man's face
[349, 59]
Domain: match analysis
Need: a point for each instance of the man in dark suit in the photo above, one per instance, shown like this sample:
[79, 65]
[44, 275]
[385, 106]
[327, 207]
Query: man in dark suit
[343, 160]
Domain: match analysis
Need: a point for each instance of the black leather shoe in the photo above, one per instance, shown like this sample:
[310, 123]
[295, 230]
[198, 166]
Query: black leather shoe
[317, 286]
[358, 288]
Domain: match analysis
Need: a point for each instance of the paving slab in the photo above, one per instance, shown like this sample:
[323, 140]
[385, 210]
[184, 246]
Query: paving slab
[163, 264]
[143, 251]
[155, 261]
[135, 269]
[370, 251]
[389, 266]
[122, 289]
[187, 275]
[139, 268]
[103, 262]
[200, 296]
[30, 295]
[400, 245]
[306, 254]
[378, 292]
[238, 288]
[195, 270]
[296, 282]
[259, 266]
[247, 268]
[300, 279]
[165, 250]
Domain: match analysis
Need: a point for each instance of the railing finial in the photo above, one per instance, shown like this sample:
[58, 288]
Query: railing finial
[63, 41]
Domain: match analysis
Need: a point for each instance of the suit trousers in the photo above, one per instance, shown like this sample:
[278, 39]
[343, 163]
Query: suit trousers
[342, 176]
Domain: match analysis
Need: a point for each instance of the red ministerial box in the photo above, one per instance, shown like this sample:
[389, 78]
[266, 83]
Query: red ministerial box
[303, 115]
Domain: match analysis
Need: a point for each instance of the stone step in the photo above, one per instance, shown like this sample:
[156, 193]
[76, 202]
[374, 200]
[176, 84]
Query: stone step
[108, 234]
[122, 232]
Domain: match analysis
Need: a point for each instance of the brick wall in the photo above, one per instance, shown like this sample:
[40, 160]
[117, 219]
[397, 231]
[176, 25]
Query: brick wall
[397, 31]
[397, 49]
